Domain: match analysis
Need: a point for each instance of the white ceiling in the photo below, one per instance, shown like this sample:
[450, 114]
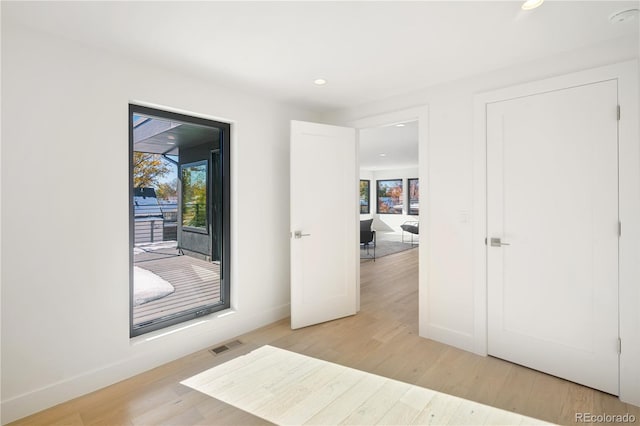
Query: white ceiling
[366, 50]
[399, 144]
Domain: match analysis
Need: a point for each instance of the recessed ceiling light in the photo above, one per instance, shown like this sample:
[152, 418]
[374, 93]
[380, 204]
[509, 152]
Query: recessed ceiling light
[171, 137]
[624, 15]
[400, 125]
[320, 81]
[382, 154]
[531, 4]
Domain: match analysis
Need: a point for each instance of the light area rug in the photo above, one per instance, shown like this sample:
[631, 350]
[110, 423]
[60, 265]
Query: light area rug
[287, 388]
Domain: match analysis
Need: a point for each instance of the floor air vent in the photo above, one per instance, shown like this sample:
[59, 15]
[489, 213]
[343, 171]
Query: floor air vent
[222, 348]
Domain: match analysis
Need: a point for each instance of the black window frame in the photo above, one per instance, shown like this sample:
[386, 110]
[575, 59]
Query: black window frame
[368, 197]
[225, 255]
[410, 211]
[402, 197]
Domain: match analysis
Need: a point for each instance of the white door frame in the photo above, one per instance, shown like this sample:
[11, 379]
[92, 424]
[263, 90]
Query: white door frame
[421, 114]
[629, 204]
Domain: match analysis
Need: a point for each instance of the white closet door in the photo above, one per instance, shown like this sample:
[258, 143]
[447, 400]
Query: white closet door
[552, 196]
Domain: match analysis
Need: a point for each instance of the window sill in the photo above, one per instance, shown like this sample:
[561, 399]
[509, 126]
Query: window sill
[165, 332]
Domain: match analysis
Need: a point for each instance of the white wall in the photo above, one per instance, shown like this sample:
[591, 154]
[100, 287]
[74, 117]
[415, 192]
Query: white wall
[389, 222]
[65, 290]
[447, 311]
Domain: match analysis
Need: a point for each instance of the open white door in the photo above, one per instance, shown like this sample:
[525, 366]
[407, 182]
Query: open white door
[324, 219]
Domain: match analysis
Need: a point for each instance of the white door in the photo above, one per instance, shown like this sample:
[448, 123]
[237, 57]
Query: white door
[552, 196]
[324, 219]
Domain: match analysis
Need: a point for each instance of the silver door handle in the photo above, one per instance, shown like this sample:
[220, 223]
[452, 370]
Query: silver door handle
[496, 242]
[299, 234]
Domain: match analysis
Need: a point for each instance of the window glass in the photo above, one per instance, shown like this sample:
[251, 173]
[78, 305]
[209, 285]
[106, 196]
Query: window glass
[414, 196]
[194, 195]
[365, 194]
[389, 196]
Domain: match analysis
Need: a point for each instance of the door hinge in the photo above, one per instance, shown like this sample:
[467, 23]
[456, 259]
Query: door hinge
[618, 112]
[619, 229]
[619, 345]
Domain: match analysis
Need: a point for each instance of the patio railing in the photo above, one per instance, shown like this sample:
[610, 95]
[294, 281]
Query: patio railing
[155, 223]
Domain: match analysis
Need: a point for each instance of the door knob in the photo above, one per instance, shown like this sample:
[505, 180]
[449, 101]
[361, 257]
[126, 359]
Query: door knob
[299, 234]
[496, 242]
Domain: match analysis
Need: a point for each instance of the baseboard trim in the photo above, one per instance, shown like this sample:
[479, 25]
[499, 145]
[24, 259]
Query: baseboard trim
[448, 336]
[141, 360]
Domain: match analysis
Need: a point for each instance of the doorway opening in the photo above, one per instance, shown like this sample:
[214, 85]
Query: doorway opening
[390, 211]
[390, 188]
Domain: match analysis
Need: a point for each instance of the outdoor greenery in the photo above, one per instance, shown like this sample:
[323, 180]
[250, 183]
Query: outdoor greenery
[148, 169]
[194, 196]
[152, 171]
[168, 190]
[364, 197]
[390, 196]
[414, 196]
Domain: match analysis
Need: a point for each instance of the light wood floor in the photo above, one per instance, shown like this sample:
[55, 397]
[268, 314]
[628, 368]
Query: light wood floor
[381, 339]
